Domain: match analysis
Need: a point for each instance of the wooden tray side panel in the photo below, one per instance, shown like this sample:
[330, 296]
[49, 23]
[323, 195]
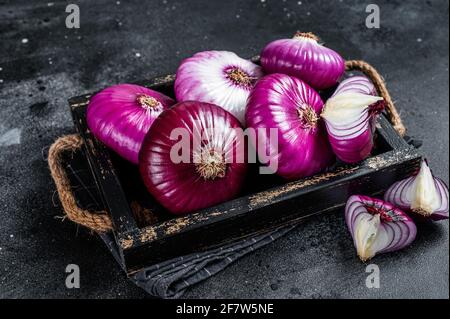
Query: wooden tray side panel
[245, 219]
[105, 175]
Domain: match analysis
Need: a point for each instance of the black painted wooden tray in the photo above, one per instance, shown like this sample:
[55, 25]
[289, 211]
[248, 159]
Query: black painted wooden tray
[267, 201]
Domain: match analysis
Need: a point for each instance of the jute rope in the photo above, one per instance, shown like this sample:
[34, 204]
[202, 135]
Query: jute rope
[98, 221]
[101, 222]
[378, 81]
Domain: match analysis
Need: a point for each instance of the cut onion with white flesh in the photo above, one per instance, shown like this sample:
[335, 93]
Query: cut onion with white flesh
[377, 227]
[422, 194]
[350, 116]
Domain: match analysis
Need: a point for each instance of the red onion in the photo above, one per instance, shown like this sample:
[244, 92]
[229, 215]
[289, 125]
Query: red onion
[217, 77]
[350, 116]
[121, 115]
[377, 227]
[212, 165]
[303, 57]
[422, 194]
[290, 106]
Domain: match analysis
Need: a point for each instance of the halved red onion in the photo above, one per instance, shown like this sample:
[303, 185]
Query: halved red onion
[193, 157]
[305, 58]
[350, 116]
[422, 194]
[121, 115]
[218, 77]
[377, 226]
[291, 107]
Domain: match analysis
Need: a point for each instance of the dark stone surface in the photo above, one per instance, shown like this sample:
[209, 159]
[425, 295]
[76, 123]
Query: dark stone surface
[315, 261]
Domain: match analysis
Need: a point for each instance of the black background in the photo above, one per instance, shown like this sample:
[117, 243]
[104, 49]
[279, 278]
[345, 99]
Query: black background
[315, 261]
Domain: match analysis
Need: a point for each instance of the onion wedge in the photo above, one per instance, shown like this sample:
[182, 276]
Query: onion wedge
[422, 194]
[377, 227]
[350, 116]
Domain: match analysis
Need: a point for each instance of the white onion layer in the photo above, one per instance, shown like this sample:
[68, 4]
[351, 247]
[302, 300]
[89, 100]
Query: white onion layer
[347, 114]
[377, 226]
[423, 194]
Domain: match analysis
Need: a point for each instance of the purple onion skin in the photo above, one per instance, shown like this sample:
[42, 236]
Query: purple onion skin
[356, 84]
[274, 103]
[356, 149]
[178, 186]
[394, 221]
[116, 118]
[305, 59]
[353, 150]
[204, 77]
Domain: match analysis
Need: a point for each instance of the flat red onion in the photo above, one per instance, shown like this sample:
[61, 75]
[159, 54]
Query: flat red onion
[290, 106]
[121, 115]
[350, 116]
[377, 227]
[422, 194]
[211, 166]
[218, 77]
[303, 57]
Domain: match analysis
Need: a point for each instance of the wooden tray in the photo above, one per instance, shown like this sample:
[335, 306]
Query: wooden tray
[266, 202]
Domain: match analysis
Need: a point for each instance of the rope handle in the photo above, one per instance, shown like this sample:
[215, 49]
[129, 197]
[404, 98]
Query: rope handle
[100, 221]
[380, 85]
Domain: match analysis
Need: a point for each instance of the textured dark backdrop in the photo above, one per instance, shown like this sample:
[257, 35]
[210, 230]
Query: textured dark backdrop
[132, 40]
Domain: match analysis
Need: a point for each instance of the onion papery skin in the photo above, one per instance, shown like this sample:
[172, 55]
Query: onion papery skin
[122, 114]
[205, 77]
[377, 226]
[351, 133]
[275, 102]
[179, 187]
[421, 194]
[304, 58]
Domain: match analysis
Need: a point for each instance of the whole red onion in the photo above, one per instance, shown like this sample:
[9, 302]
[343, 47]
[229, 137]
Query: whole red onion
[303, 57]
[121, 115]
[290, 106]
[218, 77]
[377, 226]
[350, 116]
[193, 157]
